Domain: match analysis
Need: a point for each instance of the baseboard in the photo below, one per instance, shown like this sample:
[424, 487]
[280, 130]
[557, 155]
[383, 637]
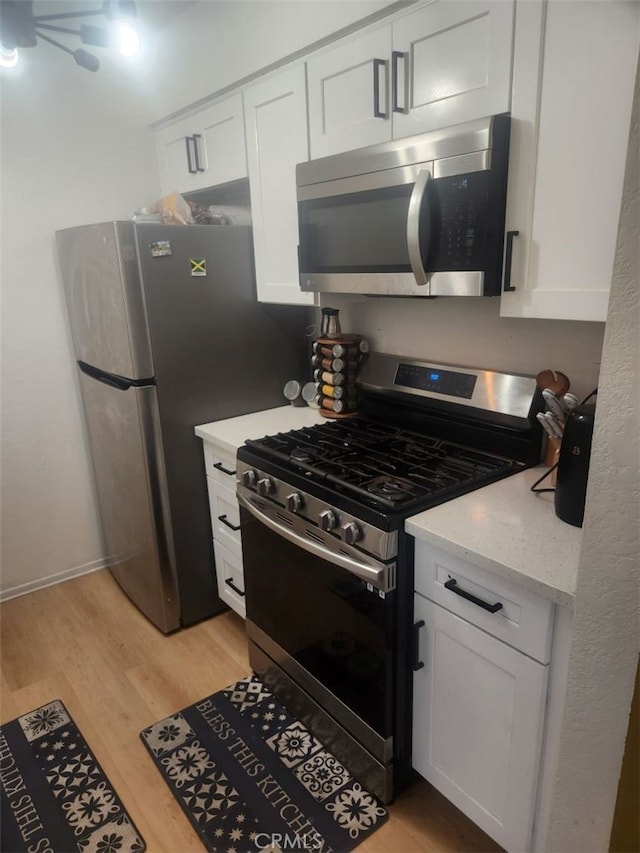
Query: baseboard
[51, 580]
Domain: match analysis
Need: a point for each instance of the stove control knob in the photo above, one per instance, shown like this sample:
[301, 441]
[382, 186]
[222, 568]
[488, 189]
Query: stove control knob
[265, 486]
[350, 533]
[249, 478]
[295, 502]
[327, 519]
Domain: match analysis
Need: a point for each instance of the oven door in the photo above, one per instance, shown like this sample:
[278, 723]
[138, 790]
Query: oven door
[318, 615]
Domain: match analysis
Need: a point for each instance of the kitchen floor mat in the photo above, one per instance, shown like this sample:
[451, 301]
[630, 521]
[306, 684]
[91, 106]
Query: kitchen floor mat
[251, 777]
[54, 794]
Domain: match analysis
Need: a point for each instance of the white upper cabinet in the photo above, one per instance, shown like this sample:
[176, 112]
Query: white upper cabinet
[453, 64]
[573, 79]
[444, 63]
[277, 139]
[349, 94]
[203, 150]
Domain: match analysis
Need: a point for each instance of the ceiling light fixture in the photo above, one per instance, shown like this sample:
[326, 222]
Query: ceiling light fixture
[20, 28]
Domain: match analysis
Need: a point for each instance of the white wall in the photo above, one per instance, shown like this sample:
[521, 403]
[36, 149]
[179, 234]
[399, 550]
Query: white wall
[469, 331]
[75, 149]
[606, 640]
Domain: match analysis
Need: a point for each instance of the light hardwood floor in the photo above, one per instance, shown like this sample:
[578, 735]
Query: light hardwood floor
[83, 642]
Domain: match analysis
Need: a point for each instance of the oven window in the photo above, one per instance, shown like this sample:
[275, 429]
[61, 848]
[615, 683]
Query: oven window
[358, 232]
[325, 618]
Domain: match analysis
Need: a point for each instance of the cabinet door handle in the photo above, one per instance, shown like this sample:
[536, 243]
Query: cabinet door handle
[377, 65]
[224, 470]
[395, 56]
[508, 260]
[452, 585]
[417, 663]
[223, 519]
[230, 583]
[196, 151]
[188, 140]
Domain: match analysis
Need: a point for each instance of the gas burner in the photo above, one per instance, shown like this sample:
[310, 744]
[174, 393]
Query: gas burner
[303, 454]
[391, 488]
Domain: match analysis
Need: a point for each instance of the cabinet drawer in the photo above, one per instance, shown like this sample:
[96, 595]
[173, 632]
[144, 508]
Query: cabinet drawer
[220, 464]
[225, 515]
[524, 620]
[230, 575]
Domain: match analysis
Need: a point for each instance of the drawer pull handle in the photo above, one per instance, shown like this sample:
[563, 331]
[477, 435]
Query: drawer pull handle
[417, 663]
[230, 583]
[223, 519]
[453, 586]
[224, 470]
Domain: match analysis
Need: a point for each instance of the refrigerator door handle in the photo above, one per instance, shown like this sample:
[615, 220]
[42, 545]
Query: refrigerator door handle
[119, 382]
[108, 378]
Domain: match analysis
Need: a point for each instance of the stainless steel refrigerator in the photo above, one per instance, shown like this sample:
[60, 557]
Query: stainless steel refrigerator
[168, 334]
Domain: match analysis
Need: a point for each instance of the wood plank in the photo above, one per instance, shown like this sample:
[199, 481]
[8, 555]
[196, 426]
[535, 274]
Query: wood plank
[84, 642]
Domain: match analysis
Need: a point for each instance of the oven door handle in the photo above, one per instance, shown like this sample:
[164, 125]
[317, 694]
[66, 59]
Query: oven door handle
[416, 203]
[382, 578]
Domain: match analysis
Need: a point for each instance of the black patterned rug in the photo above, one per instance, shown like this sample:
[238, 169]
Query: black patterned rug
[55, 797]
[251, 777]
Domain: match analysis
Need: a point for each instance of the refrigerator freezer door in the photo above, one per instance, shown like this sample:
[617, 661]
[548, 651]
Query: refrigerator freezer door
[126, 449]
[104, 296]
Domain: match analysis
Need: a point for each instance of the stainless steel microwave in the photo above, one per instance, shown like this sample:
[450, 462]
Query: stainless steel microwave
[420, 216]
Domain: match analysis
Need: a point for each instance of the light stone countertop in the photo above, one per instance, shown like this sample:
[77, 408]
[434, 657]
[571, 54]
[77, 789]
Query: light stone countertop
[506, 529]
[231, 433]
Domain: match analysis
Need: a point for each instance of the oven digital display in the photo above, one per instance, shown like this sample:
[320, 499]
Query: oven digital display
[439, 381]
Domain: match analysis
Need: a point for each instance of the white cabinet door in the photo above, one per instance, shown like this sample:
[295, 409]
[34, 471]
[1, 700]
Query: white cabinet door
[456, 63]
[222, 147]
[203, 150]
[478, 713]
[176, 157]
[349, 89]
[277, 139]
[573, 83]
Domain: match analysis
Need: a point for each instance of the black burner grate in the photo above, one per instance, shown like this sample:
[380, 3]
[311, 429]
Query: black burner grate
[382, 464]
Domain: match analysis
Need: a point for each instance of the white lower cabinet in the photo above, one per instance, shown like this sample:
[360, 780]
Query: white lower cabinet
[220, 467]
[230, 574]
[479, 703]
[225, 515]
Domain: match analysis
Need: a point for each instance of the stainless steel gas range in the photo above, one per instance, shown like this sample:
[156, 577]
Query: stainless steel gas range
[328, 567]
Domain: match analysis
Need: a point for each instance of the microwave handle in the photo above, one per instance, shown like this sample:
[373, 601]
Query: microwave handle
[413, 226]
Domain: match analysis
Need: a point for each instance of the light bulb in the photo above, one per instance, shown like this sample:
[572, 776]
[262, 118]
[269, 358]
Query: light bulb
[129, 42]
[8, 57]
